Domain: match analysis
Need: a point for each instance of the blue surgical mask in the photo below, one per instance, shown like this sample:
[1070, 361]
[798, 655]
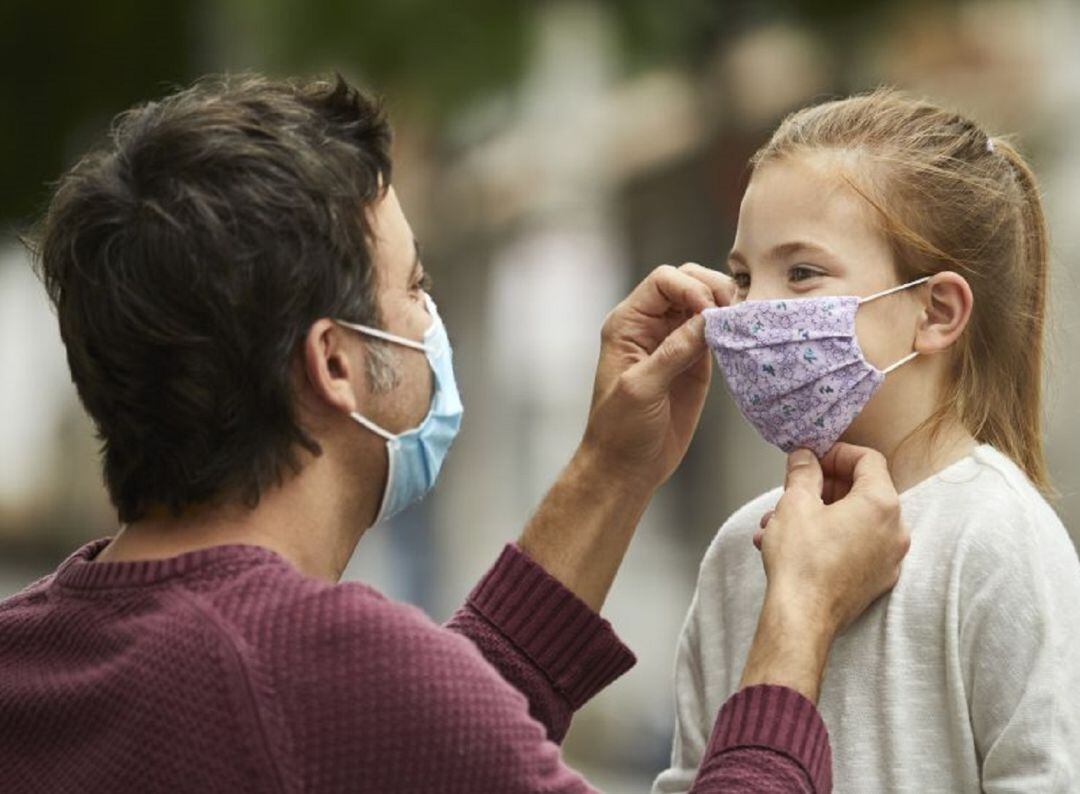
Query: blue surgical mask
[417, 455]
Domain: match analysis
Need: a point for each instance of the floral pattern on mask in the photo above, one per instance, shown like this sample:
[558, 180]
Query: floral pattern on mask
[794, 367]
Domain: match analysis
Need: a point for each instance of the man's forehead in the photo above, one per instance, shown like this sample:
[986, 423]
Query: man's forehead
[396, 250]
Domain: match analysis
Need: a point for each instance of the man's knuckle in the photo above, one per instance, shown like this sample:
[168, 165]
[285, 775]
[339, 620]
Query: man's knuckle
[794, 502]
[884, 502]
[895, 578]
[903, 542]
[628, 387]
[610, 325]
[662, 271]
[671, 349]
[662, 356]
[876, 456]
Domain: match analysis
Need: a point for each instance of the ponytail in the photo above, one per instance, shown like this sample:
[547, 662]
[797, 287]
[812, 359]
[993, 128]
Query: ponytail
[1016, 428]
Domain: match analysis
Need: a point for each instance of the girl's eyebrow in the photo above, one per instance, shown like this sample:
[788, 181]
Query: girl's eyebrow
[785, 250]
[782, 251]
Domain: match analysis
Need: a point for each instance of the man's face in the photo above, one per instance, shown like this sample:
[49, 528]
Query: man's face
[400, 283]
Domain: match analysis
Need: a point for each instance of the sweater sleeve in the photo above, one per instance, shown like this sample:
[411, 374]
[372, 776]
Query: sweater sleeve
[765, 738]
[559, 653]
[545, 641]
[1019, 641]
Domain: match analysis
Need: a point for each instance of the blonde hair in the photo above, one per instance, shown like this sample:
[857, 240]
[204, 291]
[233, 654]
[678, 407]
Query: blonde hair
[949, 197]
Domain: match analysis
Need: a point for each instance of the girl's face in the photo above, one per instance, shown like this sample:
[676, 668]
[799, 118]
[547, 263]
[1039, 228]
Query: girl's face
[804, 232]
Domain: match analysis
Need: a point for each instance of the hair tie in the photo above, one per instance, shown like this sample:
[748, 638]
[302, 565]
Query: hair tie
[990, 145]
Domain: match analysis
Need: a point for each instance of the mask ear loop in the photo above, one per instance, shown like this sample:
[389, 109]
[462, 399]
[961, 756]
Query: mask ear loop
[384, 335]
[374, 428]
[398, 340]
[900, 363]
[891, 290]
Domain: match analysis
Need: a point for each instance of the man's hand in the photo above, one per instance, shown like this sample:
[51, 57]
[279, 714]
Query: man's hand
[647, 398]
[831, 547]
[835, 536]
[653, 374]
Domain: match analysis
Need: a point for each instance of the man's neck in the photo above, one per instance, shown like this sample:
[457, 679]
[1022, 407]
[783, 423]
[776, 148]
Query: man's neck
[306, 522]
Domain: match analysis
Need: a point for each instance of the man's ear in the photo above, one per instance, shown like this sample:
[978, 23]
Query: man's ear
[332, 375]
[946, 311]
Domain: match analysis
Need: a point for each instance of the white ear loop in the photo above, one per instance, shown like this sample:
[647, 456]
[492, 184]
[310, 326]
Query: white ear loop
[399, 340]
[890, 291]
[374, 428]
[364, 329]
[900, 363]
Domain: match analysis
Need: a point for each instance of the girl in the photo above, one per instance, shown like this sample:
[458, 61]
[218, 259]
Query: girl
[966, 677]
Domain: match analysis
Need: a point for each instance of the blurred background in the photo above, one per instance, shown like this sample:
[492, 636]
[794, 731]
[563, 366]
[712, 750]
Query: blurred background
[549, 154]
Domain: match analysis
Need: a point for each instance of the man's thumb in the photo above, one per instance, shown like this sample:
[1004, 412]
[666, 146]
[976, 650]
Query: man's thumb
[804, 472]
[681, 348]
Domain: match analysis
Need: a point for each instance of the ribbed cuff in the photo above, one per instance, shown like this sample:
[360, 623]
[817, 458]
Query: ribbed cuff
[575, 648]
[779, 719]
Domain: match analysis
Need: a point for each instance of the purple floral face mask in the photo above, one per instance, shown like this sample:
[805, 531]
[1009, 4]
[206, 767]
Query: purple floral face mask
[795, 367]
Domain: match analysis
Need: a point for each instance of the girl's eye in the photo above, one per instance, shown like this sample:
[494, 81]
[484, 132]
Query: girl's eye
[802, 273]
[742, 281]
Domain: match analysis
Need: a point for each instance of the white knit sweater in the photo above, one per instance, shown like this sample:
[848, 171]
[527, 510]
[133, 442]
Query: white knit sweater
[965, 678]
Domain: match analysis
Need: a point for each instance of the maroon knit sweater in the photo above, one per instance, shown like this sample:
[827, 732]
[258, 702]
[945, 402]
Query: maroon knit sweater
[226, 670]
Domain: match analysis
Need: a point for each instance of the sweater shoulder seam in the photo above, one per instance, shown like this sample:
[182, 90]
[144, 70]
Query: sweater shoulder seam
[226, 639]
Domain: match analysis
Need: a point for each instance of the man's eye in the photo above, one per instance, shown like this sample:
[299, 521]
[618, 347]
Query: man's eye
[424, 284]
[802, 273]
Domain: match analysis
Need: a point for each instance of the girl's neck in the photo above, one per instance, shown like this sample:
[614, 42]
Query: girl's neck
[896, 422]
[923, 453]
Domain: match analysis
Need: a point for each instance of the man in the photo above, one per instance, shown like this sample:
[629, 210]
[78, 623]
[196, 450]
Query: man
[247, 322]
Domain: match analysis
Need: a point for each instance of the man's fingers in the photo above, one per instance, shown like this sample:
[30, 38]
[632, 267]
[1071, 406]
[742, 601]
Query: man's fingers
[652, 377]
[866, 469]
[722, 285]
[668, 288]
[842, 459]
[803, 472]
[834, 490]
[759, 534]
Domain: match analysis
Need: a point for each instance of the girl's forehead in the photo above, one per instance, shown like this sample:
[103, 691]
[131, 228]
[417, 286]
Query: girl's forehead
[806, 199]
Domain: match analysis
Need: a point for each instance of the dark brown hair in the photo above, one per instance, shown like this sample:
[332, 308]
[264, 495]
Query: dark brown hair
[949, 197]
[186, 261]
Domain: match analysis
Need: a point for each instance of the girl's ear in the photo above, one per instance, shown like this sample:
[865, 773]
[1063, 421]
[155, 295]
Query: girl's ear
[946, 311]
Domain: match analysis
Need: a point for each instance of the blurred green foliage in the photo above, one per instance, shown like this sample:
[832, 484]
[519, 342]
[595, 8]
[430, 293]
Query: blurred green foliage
[65, 69]
[439, 54]
[67, 66]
